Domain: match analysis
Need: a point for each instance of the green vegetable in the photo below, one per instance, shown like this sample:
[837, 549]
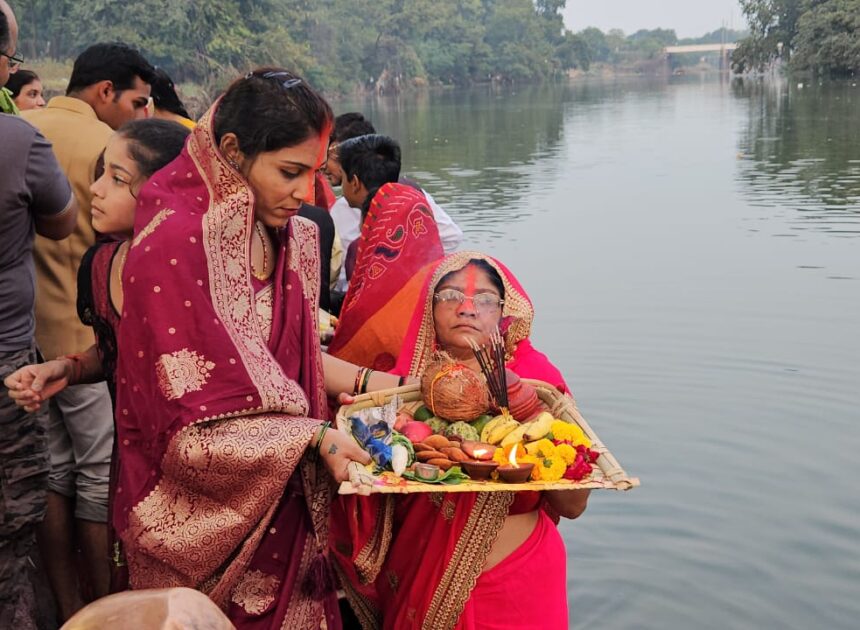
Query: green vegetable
[423, 413]
[438, 425]
[450, 477]
[480, 422]
[464, 430]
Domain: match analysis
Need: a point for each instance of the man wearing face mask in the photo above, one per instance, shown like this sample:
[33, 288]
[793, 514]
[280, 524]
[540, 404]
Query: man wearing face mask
[110, 85]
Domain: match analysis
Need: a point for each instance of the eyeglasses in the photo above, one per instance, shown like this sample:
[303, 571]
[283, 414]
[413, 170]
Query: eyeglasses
[484, 302]
[14, 60]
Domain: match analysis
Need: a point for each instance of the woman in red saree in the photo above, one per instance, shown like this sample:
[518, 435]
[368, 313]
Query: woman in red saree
[225, 466]
[470, 560]
[399, 242]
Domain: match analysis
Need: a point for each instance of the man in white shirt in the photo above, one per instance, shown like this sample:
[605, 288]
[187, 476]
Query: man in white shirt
[347, 219]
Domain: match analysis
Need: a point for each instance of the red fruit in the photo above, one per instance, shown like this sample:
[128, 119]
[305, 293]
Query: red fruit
[417, 431]
[402, 420]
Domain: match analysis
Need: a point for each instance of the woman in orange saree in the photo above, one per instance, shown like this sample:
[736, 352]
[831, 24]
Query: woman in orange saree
[465, 560]
[225, 465]
[399, 242]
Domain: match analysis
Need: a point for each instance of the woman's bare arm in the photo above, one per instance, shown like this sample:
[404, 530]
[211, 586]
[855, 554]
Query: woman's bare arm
[340, 377]
[568, 503]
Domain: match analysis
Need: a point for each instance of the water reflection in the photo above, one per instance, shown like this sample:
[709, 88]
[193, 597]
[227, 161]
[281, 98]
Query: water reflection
[720, 366]
[481, 153]
[799, 153]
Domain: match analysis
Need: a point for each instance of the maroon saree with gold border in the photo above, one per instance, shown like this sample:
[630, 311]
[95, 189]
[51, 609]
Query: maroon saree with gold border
[219, 392]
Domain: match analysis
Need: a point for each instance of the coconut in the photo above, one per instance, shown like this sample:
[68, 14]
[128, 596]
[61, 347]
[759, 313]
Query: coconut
[453, 391]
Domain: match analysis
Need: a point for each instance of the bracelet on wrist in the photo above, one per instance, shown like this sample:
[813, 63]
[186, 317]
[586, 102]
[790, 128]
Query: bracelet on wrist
[365, 381]
[325, 427]
[359, 377]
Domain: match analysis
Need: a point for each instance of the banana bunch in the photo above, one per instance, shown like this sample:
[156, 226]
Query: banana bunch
[505, 431]
[529, 431]
[497, 428]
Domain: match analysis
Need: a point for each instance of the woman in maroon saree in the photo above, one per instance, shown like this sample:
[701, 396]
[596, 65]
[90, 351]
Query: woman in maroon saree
[225, 467]
[466, 560]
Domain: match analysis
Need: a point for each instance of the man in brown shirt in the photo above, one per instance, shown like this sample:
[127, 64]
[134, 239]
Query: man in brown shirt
[108, 87]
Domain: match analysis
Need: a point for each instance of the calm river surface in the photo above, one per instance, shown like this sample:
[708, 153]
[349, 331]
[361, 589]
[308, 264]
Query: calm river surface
[693, 252]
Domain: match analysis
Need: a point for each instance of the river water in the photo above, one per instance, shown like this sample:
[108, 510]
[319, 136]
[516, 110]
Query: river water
[692, 248]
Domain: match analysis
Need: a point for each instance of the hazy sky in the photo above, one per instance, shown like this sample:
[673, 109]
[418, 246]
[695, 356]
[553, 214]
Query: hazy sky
[689, 18]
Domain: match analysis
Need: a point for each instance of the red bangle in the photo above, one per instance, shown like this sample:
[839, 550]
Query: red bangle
[358, 378]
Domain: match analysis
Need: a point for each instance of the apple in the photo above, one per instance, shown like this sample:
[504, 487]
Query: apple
[416, 431]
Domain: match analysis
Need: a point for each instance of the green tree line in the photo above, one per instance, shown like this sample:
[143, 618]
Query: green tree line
[818, 36]
[339, 44]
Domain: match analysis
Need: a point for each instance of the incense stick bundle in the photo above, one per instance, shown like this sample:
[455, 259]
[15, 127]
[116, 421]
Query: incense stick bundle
[492, 362]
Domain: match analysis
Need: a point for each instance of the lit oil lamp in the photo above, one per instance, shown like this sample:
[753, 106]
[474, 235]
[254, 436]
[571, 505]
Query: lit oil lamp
[478, 450]
[515, 472]
[479, 470]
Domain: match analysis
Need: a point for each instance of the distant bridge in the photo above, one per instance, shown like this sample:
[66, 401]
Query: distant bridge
[699, 48]
[725, 51]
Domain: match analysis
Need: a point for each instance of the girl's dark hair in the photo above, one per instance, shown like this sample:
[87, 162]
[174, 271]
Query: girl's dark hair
[153, 143]
[164, 94]
[270, 109]
[484, 266]
[374, 159]
[18, 80]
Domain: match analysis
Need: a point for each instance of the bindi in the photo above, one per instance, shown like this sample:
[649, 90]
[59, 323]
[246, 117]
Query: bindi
[471, 278]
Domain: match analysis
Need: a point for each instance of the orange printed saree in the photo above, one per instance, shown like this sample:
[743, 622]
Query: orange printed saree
[219, 392]
[399, 242]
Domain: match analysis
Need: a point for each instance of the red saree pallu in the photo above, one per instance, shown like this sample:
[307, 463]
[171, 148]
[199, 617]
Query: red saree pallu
[219, 393]
[416, 561]
[399, 242]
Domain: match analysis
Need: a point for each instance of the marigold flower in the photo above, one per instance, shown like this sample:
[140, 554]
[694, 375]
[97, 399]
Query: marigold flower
[500, 457]
[541, 448]
[549, 469]
[566, 452]
[568, 432]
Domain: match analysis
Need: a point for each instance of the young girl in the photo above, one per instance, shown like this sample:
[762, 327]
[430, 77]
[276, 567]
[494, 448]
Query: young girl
[136, 151]
[26, 88]
[132, 155]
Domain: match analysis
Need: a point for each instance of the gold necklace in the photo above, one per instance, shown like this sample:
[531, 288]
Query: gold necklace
[264, 242]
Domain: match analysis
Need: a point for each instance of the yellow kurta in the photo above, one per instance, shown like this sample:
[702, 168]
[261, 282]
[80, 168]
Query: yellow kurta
[78, 137]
